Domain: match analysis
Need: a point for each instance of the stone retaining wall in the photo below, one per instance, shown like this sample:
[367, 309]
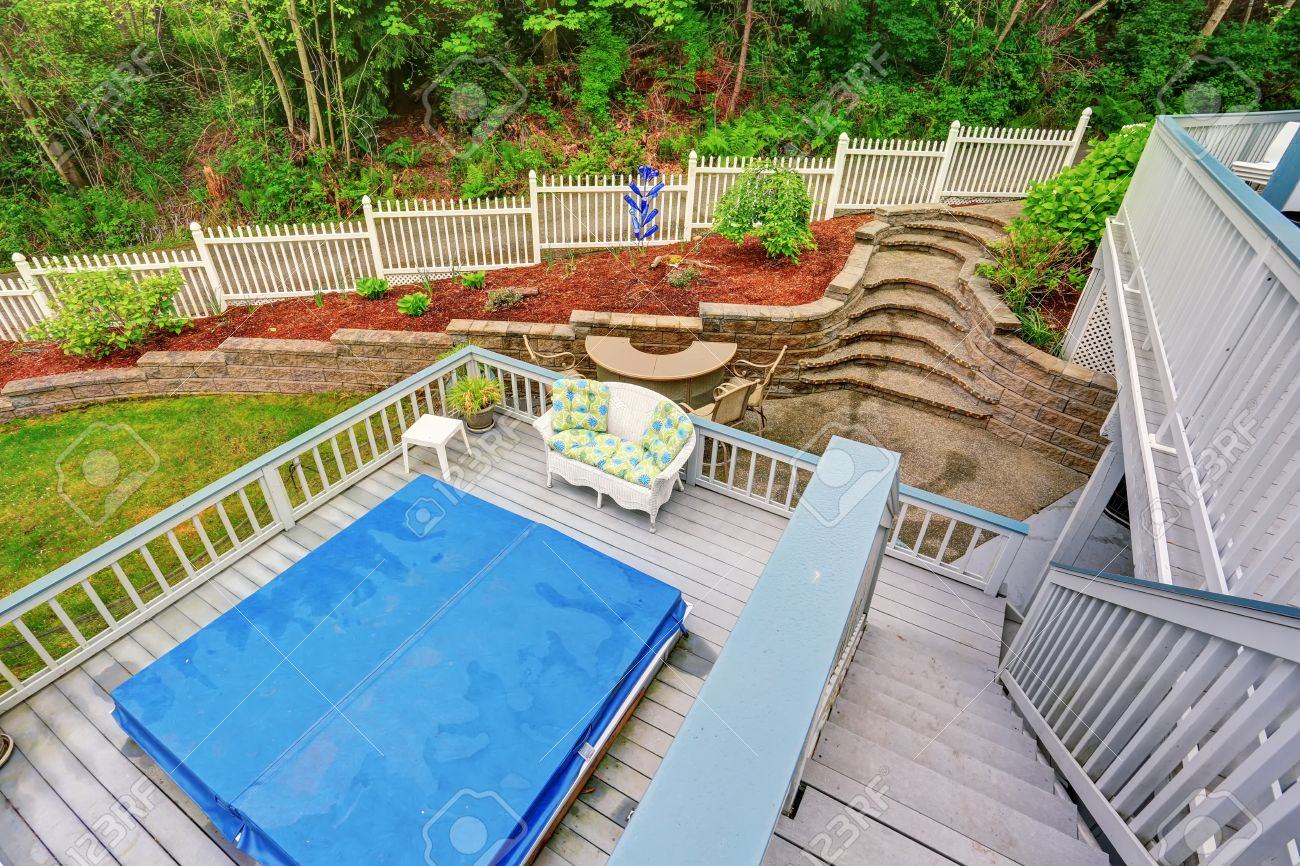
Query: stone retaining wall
[352, 360]
[1044, 403]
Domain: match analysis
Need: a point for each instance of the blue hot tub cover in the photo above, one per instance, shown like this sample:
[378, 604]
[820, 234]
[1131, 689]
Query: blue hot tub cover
[425, 687]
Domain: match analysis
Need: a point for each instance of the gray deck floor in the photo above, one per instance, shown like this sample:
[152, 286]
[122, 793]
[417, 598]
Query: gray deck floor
[78, 791]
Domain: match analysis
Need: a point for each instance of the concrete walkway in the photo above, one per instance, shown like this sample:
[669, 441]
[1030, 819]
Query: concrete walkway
[941, 455]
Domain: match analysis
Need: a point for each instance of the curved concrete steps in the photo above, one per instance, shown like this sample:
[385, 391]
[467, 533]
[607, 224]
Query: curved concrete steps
[917, 356]
[902, 384]
[958, 250]
[907, 299]
[895, 325]
[906, 338]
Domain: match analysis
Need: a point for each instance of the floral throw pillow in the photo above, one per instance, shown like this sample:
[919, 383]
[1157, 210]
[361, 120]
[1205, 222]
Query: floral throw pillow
[667, 433]
[581, 404]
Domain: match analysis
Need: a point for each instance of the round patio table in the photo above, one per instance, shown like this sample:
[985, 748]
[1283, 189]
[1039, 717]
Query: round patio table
[687, 376]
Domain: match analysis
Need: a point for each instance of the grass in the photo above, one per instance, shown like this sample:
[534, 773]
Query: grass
[79, 478]
[155, 451]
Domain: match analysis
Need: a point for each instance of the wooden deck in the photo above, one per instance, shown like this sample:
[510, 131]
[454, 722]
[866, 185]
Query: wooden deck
[78, 791]
[922, 749]
[923, 761]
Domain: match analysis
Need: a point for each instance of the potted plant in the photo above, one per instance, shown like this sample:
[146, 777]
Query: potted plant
[472, 398]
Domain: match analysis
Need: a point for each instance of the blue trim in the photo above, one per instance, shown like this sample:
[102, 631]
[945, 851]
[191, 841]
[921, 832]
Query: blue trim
[1202, 594]
[1213, 119]
[1280, 229]
[1286, 177]
[718, 794]
[170, 514]
[1017, 526]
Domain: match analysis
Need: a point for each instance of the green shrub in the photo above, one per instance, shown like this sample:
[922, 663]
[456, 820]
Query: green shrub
[683, 277]
[500, 299]
[103, 311]
[1035, 331]
[771, 204]
[600, 66]
[414, 304]
[473, 279]
[372, 288]
[1074, 205]
[1028, 269]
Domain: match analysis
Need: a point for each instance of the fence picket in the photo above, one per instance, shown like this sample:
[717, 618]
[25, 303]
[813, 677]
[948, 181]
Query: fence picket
[435, 238]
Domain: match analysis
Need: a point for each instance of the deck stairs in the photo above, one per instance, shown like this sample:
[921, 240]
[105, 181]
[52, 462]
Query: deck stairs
[924, 754]
[908, 336]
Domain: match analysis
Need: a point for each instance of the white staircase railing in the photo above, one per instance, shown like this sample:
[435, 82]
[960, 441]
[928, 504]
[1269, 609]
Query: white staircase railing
[1174, 714]
[1203, 302]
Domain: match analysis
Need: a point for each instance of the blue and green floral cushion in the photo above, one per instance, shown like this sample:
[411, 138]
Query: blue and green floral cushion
[631, 463]
[667, 433]
[580, 404]
[607, 452]
[585, 446]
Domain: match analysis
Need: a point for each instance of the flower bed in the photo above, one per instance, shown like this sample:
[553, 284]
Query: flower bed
[617, 282]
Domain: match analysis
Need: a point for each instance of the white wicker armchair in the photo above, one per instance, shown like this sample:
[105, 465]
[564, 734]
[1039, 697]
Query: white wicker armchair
[630, 410]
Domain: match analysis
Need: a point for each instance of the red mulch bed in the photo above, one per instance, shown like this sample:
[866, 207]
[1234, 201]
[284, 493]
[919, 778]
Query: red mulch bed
[621, 282]
[1058, 308]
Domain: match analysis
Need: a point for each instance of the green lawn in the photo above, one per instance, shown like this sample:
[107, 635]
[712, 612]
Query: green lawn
[118, 463]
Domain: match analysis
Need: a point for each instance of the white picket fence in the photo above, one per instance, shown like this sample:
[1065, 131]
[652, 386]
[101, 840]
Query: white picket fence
[402, 241]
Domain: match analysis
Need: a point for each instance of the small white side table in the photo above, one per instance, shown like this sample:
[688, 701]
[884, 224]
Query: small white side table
[433, 431]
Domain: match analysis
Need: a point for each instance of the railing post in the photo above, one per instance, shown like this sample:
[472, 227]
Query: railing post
[696, 461]
[534, 216]
[950, 148]
[209, 266]
[692, 165]
[38, 293]
[1011, 543]
[837, 176]
[372, 235]
[278, 497]
[1079, 129]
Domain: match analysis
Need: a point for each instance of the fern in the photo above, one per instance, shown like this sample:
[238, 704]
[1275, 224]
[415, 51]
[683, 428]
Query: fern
[678, 85]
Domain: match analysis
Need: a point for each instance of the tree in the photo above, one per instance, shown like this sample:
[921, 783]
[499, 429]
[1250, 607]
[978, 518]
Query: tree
[308, 76]
[277, 73]
[58, 158]
[740, 62]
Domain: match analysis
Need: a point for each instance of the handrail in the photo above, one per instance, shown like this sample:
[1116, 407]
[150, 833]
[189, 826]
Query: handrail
[1132, 380]
[1216, 270]
[166, 556]
[969, 512]
[720, 790]
[1217, 598]
[1169, 711]
[162, 558]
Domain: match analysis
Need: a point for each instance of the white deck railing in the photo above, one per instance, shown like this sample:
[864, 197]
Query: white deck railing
[404, 241]
[956, 540]
[1171, 713]
[1206, 274]
[1239, 137]
[129, 578]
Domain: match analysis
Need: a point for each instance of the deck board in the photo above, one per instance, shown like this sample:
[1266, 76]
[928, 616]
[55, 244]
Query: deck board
[72, 760]
[923, 757]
